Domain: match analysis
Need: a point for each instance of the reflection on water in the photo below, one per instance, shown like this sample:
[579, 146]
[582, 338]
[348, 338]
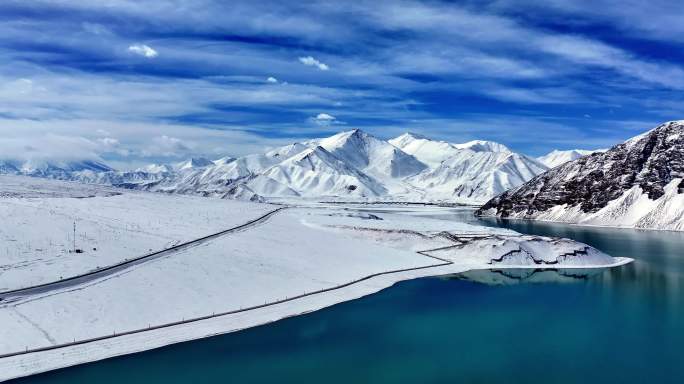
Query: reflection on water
[656, 275]
[511, 276]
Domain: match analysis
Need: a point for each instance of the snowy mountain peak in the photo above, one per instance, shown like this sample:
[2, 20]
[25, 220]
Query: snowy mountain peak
[224, 160]
[372, 155]
[483, 146]
[428, 151]
[356, 138]
[406, 138]
[318, 172]
[194, 163]
[556, 157]
[287, 150]
[676, 126]
[155, 168]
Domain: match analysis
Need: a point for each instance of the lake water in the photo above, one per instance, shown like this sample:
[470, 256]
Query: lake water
[621, 325]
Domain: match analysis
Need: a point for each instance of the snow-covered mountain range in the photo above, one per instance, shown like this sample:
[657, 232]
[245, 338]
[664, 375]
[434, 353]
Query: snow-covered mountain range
[639, 183]
[51, 169]
[556, 157]
[351, 165]
[466, 172]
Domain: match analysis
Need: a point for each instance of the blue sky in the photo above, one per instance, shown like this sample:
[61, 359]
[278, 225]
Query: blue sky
[134, 82]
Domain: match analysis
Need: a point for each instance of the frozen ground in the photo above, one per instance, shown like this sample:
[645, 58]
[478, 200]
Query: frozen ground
[299, 260]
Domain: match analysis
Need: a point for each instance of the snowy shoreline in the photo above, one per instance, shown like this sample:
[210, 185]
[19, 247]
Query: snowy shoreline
[31, 363]
[300, 260]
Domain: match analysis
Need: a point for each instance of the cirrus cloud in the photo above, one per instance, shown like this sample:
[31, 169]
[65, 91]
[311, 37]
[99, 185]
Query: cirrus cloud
[312, 62]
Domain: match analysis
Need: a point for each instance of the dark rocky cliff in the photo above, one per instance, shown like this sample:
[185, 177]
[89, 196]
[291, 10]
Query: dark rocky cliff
[651, 160]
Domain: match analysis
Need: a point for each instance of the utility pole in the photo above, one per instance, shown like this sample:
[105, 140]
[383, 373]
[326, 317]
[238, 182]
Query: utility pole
[74, 237]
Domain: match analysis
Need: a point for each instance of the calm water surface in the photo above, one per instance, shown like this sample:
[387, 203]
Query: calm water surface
[619, 325]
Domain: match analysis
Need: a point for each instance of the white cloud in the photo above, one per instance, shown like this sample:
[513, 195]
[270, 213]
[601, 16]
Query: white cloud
[132, 142]
[49, 146]
[143, 50]
[310, 61]
[165, 146]
[455, 46]
[325, 119]
[109, 141]
[325, 116]
[531, 96]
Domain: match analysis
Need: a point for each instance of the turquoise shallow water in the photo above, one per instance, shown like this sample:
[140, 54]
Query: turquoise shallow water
[620, 325]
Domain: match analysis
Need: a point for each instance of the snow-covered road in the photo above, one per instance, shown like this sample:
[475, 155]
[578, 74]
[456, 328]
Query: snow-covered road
[16, 295]
[40, 218]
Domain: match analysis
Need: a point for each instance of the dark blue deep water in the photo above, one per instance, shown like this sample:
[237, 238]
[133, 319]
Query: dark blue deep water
[622, 325]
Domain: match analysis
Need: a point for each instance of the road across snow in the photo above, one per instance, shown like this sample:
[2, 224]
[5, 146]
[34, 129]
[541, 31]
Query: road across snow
[38, 216]
[103, 272]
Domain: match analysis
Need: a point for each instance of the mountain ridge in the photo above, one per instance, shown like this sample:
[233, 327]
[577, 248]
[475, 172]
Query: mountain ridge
[638, 183]
[350, 165]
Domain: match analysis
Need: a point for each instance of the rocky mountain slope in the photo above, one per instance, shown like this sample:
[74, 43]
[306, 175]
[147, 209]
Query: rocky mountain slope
[639, 183]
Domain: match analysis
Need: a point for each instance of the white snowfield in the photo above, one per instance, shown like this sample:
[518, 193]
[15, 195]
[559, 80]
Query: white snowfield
[37, 229]
[296, 261]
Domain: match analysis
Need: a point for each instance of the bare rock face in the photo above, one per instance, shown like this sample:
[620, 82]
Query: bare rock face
[649, 161]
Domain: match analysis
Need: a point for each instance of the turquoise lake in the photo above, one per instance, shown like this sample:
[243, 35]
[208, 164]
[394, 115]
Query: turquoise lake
[622, 325]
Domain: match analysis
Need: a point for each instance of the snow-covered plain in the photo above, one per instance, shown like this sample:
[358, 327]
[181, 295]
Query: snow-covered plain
[38, 216]
[327, 253]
